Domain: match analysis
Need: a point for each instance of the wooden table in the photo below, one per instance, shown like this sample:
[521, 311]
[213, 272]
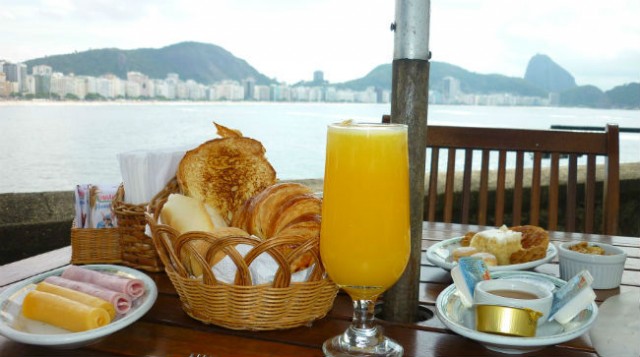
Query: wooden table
[167, 331]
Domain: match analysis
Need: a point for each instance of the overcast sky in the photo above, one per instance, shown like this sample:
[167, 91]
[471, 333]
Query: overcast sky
[596, 41]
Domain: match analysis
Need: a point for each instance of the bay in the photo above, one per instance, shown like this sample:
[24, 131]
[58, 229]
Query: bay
[51, 146]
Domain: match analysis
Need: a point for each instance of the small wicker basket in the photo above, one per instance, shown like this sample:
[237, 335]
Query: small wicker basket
[138, 250]
[242, 305]
[95, 245]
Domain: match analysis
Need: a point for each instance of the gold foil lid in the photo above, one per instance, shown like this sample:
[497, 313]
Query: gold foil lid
[504, 320]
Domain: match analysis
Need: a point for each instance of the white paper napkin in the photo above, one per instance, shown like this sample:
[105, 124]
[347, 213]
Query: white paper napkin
[263, 268]
[146, 172]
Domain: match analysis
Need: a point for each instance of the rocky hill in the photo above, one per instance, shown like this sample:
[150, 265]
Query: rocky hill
[203, 63]
[544, 73]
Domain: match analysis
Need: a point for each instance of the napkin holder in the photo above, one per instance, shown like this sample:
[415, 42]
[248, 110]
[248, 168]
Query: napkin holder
[138, 250]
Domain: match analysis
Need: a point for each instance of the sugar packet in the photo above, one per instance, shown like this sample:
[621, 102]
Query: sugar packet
[81, 194]
[101, 213]
[466, 275]
[576, 291]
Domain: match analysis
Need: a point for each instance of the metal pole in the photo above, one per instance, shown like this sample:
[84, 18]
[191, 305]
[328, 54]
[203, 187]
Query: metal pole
[409, 102]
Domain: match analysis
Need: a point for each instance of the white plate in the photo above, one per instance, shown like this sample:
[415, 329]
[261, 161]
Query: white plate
[461, 320]
[440, 254]
[18, 328]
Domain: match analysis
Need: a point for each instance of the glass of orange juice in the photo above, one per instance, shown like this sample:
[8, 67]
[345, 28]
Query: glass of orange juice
[365, 234]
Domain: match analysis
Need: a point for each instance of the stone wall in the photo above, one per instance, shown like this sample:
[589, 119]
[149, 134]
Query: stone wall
[34, 223]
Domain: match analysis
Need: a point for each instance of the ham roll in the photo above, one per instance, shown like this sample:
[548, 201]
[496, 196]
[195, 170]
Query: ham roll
[62, 312]
[131, 287]
[120, 301]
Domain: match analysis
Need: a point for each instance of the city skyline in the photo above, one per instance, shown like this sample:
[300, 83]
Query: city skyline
[288, 40]
[45, 83]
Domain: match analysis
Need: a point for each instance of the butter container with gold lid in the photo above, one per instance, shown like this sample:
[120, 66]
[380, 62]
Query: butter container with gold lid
[505, 320]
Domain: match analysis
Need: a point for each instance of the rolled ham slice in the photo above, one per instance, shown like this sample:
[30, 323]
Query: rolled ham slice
[120, 301]
[132, 287]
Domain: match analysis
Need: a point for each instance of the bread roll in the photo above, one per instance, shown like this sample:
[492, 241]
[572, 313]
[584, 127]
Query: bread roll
[186, 214]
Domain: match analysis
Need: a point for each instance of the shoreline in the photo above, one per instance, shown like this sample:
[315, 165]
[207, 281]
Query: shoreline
[46, 102]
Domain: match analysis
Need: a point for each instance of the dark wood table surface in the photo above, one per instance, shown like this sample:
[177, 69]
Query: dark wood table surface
[167, 331]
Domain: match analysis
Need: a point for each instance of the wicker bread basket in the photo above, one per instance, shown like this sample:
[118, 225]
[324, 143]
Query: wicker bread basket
[138, 250]
[242, 305]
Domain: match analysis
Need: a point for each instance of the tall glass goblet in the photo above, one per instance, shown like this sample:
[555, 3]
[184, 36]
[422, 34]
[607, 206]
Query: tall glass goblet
[365, 235]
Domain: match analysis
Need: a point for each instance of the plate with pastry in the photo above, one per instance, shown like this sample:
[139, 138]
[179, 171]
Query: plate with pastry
[503, 248]
[74, 306]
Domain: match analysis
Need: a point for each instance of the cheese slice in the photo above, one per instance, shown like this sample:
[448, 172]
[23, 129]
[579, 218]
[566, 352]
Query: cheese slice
[77, 296]
[62, 312]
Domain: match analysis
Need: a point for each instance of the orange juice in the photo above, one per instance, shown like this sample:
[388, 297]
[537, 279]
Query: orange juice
[365, 234]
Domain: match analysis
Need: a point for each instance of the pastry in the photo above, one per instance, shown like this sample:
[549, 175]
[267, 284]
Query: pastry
[535, 241]
[501, 242]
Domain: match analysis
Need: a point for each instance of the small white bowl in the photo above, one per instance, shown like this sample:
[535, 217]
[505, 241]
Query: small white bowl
[605, 269]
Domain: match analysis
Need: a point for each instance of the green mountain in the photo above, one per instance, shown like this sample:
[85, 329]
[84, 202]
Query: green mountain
[470, 82]
[584, 96]
[625, 96]
[203, 63]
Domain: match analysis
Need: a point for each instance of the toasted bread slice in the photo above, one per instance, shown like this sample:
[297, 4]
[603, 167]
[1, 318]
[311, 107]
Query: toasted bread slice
[226, 171]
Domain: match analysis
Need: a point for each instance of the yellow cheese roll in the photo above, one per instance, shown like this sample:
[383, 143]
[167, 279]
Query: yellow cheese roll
[77, 296]
[62, 312]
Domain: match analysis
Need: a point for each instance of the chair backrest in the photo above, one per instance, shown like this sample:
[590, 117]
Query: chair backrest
[528, 151]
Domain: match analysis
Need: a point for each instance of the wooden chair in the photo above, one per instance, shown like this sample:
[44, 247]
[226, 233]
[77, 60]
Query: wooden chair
[580, 211]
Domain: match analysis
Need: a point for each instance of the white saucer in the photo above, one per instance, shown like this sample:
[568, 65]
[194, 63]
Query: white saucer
[461, 320]
[18, 328]
[440, 254]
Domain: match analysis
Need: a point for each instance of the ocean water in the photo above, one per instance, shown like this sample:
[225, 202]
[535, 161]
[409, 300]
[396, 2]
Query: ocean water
[54, 146]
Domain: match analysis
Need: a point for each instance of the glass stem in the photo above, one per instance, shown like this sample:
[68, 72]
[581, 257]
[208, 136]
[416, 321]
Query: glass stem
[363, 331]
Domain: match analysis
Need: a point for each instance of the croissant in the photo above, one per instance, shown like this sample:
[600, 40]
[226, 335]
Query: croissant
[283, 211]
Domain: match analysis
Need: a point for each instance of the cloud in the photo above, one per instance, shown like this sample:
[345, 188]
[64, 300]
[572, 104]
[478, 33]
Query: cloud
[289, 39]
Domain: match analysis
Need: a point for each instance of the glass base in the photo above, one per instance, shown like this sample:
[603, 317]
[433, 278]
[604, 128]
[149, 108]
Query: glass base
[352, 343]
